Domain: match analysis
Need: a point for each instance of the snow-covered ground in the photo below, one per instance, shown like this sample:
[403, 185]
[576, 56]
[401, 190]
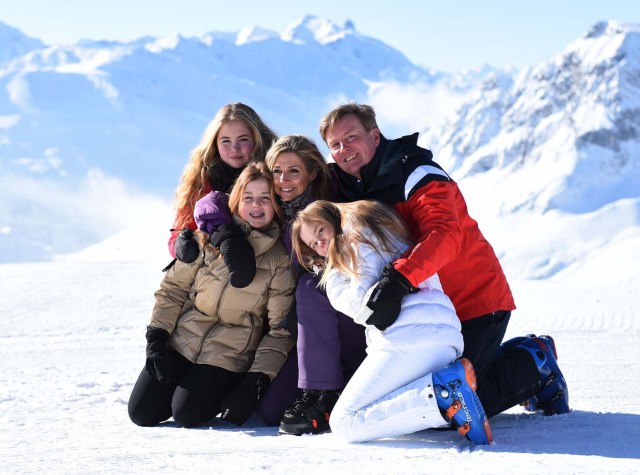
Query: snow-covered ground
[72, 345]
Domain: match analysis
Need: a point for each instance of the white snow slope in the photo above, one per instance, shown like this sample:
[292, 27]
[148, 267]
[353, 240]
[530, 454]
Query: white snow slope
[72, 346]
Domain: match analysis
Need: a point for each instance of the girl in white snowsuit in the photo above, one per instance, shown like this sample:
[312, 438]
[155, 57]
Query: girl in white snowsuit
[410, 379]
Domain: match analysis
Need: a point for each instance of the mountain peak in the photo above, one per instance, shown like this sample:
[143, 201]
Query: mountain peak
[604, 44]
[314, 29]
[611, 28]
[14, 43]
[254, 34]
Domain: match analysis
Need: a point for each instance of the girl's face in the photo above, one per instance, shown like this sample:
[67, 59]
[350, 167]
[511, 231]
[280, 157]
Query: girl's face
[291, 177]
[317, 236]
[256, 207]
[235, 143]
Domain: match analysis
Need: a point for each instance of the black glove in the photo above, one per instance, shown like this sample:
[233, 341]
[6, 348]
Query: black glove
[159, 362]
[186, 246]
[387, 296]
[238, 406]
[237, 253]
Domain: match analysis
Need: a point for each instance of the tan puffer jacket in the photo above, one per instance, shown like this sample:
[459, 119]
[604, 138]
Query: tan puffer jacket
[213, 323]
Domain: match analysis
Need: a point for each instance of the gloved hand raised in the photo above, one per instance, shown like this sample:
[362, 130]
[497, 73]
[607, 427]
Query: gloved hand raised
[240, 403]
[237, 253]
[159, 362]
[212, 211]
[186, 246]
[386, 298]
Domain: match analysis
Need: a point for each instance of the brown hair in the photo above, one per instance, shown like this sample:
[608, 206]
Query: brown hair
[365, 114]
[313, 161]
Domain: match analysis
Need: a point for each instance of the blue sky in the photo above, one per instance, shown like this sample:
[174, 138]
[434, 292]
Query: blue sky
[450, 35]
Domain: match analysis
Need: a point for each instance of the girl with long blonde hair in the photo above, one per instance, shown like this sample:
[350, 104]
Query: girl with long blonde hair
[410, 379]
[370, 223]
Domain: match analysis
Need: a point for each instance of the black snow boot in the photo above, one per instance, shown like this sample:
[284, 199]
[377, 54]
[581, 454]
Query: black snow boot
[309, 413]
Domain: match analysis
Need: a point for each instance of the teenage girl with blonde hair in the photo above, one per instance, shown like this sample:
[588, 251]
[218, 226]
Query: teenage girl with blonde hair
[410, 379]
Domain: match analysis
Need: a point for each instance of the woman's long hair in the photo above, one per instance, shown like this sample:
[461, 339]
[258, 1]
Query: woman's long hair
[360, 222]
[195, 178]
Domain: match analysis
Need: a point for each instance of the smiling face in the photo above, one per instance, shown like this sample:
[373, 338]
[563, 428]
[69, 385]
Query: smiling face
[235, 143]
[256, 207]
[291, 178]
[351, 146]
[317, 236]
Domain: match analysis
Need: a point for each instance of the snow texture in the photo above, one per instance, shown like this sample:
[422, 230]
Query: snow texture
[73, 343]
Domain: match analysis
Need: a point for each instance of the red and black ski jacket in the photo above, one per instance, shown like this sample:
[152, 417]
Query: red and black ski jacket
[448, 240]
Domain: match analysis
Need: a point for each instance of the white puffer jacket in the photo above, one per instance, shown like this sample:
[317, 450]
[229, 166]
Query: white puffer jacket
[427, 316]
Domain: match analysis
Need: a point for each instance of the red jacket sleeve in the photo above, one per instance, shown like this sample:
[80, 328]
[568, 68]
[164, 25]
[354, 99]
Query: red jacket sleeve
[190, 224]
[174, 235]
[432, 216]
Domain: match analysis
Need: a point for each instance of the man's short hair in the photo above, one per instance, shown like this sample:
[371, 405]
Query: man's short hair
[363, 112]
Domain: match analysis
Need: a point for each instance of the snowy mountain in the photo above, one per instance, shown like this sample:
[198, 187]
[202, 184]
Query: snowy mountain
[577, 116]
[559, 149]
[134, 110]
[92, 140]
[13, 43]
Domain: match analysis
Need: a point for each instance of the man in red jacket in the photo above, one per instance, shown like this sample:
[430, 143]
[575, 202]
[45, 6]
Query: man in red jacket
[449, 242]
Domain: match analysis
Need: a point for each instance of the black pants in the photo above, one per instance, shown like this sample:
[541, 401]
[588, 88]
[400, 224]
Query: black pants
[193, 395]
[505, 378]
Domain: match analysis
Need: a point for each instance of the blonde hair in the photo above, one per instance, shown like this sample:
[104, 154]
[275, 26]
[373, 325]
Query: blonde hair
[360, 222]
[195, 178]
[254, 171]
[312, 159]
[365, 114]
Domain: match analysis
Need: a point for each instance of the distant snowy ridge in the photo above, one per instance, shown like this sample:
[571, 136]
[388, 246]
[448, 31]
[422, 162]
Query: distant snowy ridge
[552, 158]
[13, 43]
[572, 122]
[151, 98]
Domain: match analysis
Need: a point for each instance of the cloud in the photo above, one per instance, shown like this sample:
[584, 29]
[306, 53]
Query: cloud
[402, 109]
[43, 217]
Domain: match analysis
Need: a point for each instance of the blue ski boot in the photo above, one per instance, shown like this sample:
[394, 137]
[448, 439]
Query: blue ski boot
[528, 404]
[514, 342]
[455, 389]
[553, 396]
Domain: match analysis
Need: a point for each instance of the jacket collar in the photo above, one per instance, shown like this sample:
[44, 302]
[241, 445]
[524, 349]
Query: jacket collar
[261, 241]
[384, 169]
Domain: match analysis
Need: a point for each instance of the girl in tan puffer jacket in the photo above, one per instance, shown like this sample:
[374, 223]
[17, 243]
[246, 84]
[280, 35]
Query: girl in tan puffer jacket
[207, 352]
